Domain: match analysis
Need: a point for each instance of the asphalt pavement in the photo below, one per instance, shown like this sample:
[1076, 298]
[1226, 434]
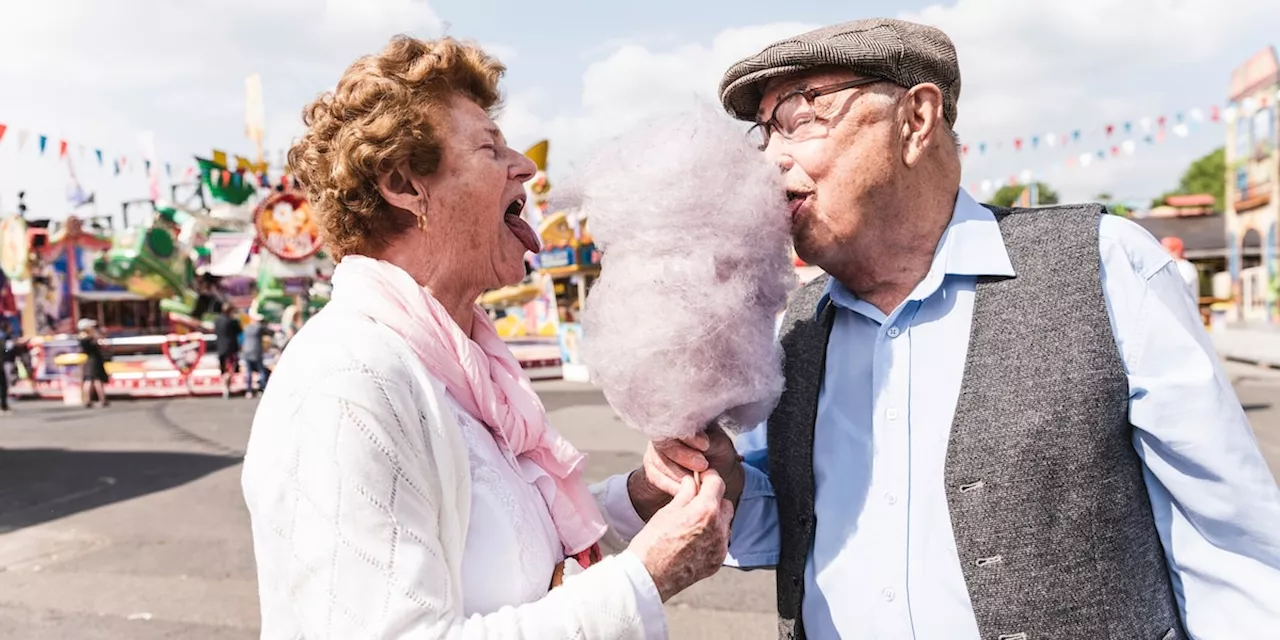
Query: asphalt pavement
[128, 522]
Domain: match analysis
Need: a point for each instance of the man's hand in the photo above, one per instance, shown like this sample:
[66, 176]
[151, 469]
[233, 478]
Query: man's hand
[668, 461]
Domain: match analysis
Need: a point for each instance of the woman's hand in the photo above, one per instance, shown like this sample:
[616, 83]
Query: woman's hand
[688, 539]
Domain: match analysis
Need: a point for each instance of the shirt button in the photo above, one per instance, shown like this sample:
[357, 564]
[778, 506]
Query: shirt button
[893, 332]
[891, 414]
[888, 594]
[891, 497]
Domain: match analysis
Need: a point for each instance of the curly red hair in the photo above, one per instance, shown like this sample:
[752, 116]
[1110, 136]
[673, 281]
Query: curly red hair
[387, 109]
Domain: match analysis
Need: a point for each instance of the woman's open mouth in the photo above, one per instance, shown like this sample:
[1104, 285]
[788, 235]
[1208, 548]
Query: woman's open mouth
[521, 229]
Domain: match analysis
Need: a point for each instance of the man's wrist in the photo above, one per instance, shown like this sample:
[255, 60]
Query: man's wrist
[645, 498]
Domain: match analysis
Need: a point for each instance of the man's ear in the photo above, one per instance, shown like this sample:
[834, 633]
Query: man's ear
[923, 121]
[400, 190]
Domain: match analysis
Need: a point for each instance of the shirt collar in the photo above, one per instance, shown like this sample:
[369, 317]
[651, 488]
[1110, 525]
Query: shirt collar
[972, 245]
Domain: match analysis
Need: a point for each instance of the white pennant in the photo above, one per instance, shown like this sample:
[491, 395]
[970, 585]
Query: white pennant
[1026, 176]
[986, 186]
[23, 135]
[1129, 147]
[1051, 139]
[1181, 130]
[1086, 159]
[1145, 123]
[1197, 115]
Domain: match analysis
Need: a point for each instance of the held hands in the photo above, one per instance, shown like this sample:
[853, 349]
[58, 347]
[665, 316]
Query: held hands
[669, 462]
[688, 539]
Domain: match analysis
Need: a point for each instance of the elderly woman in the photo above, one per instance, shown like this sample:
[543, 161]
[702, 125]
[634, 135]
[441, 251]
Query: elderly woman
[401, 476]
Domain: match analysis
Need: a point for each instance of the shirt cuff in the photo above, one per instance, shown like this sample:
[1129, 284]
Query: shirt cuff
[619, 513]
[648, 601]
[754, 539]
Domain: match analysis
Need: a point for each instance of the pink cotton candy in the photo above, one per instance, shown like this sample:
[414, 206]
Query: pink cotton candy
[679, 331]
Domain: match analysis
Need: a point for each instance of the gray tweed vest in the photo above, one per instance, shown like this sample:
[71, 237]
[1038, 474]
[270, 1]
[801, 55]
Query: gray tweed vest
[1048, 504]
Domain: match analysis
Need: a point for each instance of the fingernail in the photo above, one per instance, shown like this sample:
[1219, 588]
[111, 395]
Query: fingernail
[702, 460]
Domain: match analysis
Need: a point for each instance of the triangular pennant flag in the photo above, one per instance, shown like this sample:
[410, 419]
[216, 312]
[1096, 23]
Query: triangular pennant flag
[215, 176]
[2, 130]
[1017, 144]
[1110, 130]
[1035, 141]
[1160, 121]
[1128, 127]
[80, 151]
[62, 149]
[1051, 139]
[982, 147]
[168, 169]
[148, 165]
[98, 152]
[1075, 135]
[964, 149]
[23, 134]
[220, 158]
[44, 140]
[117, 164]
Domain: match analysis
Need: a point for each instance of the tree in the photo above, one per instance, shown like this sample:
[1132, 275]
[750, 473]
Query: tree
[1206, 175]
[1009, 194]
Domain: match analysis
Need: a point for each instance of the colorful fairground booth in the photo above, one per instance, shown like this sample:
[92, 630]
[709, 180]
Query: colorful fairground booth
[154, 288]
[1253, 190]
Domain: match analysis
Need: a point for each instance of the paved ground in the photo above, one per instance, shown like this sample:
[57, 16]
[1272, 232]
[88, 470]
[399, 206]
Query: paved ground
[129, 523]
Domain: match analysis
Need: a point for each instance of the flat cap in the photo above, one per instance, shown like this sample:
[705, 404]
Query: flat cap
[901, 52]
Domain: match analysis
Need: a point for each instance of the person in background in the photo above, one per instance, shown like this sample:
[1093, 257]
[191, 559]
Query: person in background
[10, 348]
[226, 331]
[252, 353]
[1188, 271]
[95, 364]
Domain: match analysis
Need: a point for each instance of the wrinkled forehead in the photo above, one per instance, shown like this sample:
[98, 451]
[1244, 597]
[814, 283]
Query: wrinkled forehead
[775, 88]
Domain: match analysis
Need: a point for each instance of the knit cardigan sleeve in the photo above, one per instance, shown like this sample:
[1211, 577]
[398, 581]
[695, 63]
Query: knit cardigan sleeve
[358, 488]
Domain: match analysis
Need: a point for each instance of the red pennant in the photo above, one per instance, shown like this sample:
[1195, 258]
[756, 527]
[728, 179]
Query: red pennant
[1111, 128]
[1161, 121]
[1160, 136]
[1214, 114]
[2, 129]
[1013, 181]
[226, 178]
[1071, 161]
[1115, 151]
[964, 149]
[1017, 144]
[62, 149]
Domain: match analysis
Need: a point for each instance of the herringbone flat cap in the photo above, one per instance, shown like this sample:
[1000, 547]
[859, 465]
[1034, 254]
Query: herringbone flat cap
[901, 52]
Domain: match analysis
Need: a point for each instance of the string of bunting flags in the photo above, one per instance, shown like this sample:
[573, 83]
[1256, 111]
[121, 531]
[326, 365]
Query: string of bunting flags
[223, 171]
[1124, 138]
[118, 164]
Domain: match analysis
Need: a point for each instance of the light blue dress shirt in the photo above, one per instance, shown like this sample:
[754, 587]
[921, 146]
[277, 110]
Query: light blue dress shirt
[884, 562]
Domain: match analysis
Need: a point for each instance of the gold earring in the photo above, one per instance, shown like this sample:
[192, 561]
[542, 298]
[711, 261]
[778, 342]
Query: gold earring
[422, 223]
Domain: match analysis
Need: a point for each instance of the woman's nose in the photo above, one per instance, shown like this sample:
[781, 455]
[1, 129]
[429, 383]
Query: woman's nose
[524, 169]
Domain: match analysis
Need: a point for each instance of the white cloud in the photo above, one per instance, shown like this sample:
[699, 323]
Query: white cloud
[631, 82]
[99, 73]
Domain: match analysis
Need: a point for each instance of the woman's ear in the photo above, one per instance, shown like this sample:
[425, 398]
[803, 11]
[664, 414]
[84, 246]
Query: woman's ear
[400, 190]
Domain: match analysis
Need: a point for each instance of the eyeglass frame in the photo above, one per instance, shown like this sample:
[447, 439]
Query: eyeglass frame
[811, 93]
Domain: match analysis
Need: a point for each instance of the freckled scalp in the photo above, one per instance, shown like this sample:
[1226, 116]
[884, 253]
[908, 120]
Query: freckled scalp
[692, 220]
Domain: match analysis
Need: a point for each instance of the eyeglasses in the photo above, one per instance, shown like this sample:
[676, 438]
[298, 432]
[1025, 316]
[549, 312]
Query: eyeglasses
[793, 116]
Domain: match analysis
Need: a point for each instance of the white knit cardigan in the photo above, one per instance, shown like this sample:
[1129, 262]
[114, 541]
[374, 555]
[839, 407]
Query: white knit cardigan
[358, 488]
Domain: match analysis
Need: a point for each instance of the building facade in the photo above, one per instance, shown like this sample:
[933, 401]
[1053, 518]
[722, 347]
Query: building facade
[1253, 188]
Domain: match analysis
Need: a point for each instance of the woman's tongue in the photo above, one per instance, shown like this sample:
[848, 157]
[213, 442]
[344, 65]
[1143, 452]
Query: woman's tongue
[523, 232]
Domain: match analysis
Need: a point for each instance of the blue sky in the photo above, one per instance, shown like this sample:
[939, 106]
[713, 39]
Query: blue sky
[100, 74]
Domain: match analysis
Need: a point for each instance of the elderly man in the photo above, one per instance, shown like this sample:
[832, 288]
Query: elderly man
[998, 424]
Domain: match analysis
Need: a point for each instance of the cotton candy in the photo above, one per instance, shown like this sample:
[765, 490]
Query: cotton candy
[692, 219]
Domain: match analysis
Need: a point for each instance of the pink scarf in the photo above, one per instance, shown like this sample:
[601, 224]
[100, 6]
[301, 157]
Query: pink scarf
[484, 377]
